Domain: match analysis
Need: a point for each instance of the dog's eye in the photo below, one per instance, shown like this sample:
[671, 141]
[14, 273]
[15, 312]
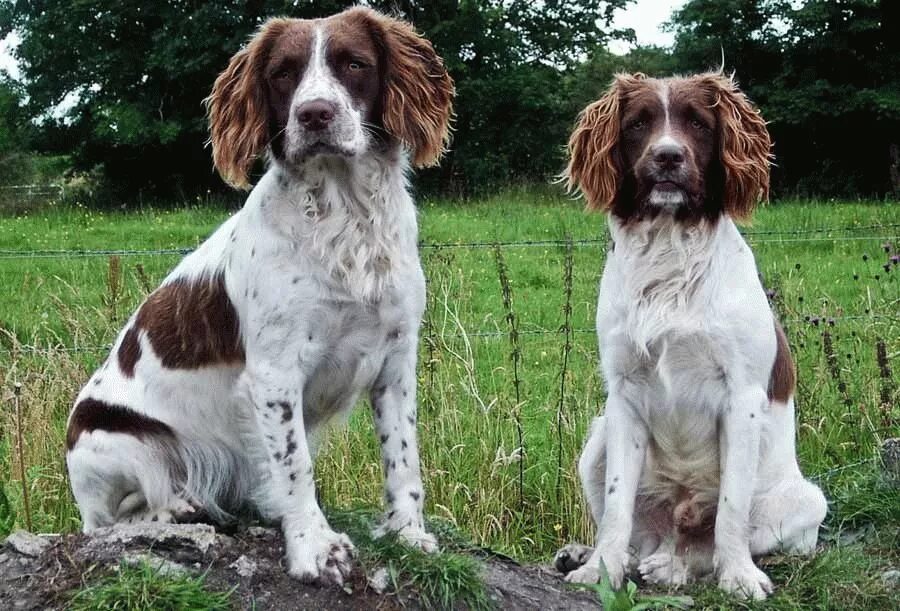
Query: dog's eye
[637, 125]
[696, 124]
[281, 75]
[354, 66]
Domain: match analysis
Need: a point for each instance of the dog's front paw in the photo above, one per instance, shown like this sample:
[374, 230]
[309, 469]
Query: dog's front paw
[616, 567]
[410, 531]
[571, 557]
[319, 555]
[586, 573]
[745, 581]
[664, 568]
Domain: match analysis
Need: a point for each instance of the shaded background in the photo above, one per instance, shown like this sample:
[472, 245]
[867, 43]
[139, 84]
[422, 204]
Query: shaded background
[109, 94]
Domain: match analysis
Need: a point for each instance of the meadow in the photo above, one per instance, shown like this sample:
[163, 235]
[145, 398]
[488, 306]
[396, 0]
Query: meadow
[508, 367]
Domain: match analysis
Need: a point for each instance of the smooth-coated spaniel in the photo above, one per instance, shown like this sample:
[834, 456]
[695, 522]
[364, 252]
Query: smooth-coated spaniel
[218, 387]
[692, 468]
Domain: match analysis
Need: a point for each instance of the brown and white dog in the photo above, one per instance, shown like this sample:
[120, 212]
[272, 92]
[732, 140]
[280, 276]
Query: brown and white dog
[692, 468]
[217, 388]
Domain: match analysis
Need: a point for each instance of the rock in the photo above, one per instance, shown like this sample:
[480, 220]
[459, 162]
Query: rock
[379, 580]
[41, 572]
[28, 544]
[890, 459]
[244, 567]
[160, 565]
[260, 531]
[891, 579]
[197, 536]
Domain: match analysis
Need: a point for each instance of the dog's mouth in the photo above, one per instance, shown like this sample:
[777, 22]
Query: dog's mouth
[667, 186]
[667, 195]
[322, 148]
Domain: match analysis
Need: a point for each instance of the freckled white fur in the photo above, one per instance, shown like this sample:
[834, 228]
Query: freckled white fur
[322, 268]
[687, 345]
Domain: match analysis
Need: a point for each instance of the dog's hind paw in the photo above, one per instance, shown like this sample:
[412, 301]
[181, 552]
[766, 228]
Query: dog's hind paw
[571, 557]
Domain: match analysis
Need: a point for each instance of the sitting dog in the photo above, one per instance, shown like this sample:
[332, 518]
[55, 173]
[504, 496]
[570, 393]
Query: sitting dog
[215, 391]
[692, 467]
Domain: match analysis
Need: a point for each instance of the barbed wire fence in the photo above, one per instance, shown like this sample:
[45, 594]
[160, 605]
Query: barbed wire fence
[885, 233]
[878, 234]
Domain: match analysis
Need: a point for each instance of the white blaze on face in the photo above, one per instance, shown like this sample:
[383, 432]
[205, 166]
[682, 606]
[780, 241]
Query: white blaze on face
[661, 196]
[346, 134]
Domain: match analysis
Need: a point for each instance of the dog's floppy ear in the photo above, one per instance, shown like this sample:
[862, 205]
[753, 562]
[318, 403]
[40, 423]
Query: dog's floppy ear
[744, 145]
[237, 108]
[593, 167]
[417, 95]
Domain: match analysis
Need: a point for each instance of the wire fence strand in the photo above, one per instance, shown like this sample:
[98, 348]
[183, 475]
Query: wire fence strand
[754, 237]
[484, 334]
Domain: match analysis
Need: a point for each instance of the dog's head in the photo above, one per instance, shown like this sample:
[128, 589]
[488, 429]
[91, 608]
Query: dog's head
[693, 147]
[339, 86]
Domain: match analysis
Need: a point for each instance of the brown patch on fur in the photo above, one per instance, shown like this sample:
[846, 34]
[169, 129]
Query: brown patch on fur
[192, 324]
[129, 352]
[418, 91]
[92, 414]
[237, 107]
[784, 376]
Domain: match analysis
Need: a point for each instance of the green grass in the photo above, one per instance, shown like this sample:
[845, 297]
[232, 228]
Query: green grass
[436, 581]
[145, 588]
[832, 293]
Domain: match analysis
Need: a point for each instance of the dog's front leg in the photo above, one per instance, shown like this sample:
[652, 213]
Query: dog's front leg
[315, 553]
[739, 438]
[394, 411]
[626, 446]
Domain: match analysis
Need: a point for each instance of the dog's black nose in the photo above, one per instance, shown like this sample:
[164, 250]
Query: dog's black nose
[668, 155]
[316, 114]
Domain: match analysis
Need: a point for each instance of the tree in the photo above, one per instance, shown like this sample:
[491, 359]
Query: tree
[826, 74]
[139, 71]
[14, 131]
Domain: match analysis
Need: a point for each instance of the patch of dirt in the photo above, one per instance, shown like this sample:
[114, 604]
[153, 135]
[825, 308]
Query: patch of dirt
[40, 571]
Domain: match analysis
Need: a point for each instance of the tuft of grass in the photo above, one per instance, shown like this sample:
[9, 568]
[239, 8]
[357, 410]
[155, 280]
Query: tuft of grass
[143, 587]
[843, 578]
[441, 580]
[626, 598]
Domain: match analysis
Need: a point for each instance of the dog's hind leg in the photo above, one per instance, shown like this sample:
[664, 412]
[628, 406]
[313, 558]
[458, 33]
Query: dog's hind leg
[118, 477]
[787, 518]
[592, 471]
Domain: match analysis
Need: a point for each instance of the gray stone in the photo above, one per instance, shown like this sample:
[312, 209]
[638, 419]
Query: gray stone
[379, 580]
[162, 566]
[28, 544]
[244, 567]
[890, 459]
[260, 531]
[198, 536]
[891, 579]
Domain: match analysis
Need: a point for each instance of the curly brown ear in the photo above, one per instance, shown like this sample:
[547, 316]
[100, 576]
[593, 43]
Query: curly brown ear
[592, 167]
[418, 93]
[744, 146]
[238, 120]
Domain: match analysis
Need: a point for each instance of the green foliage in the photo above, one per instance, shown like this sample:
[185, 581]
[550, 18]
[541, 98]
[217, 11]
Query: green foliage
[442, 580]
[7, 514]
[626, 598]
[146, 588]
[826, 74]
[14, 131]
